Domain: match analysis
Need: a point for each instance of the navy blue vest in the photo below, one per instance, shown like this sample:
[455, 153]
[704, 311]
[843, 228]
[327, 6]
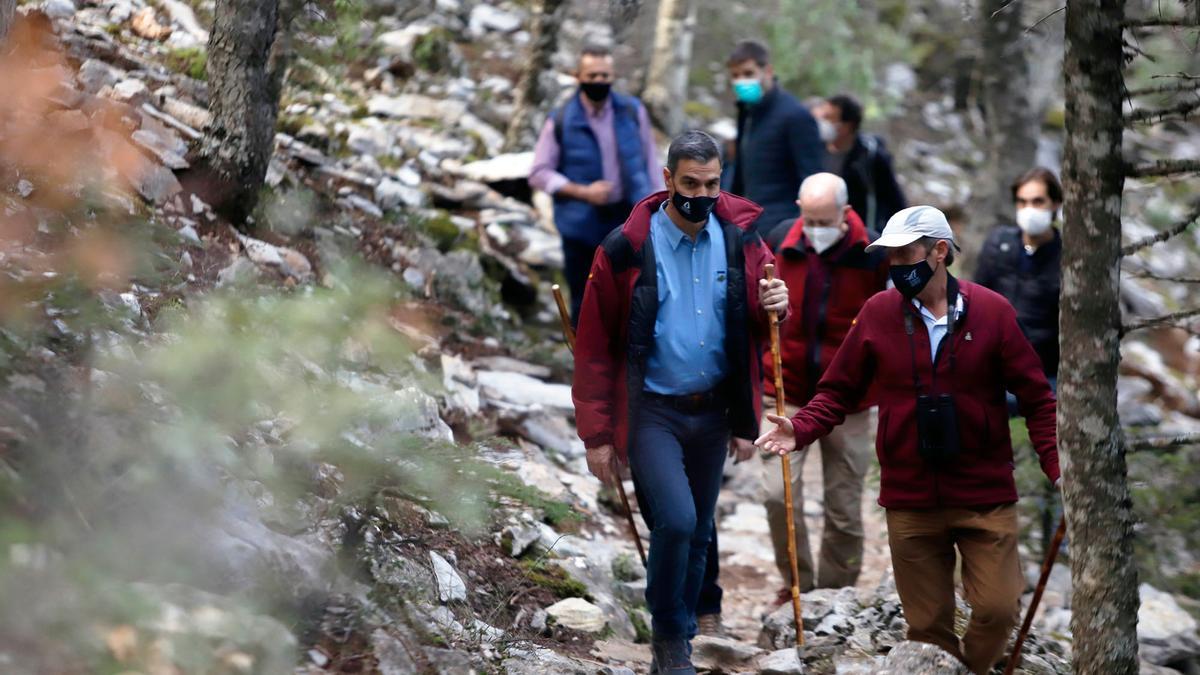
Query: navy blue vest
[579, 160]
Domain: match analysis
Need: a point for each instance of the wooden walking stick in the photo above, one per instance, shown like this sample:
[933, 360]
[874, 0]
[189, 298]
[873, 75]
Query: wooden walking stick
[569, 334]
[786, 465]
[1037, 594]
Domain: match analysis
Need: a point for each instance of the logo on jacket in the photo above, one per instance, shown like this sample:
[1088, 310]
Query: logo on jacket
[720, 276]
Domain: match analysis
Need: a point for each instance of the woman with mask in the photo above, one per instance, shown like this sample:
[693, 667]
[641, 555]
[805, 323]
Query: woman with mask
[937, 355]
[1021, 262]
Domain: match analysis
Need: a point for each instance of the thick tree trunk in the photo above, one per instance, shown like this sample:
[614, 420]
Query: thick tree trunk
[1096, 490]
[670, 62]
[1011, 122]
[8, 9]
[244, 79]
[531, 95]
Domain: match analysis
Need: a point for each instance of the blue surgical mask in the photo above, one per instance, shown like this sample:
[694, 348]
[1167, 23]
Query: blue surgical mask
[748, 90]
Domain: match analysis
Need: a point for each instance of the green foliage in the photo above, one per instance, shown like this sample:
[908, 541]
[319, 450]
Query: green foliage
[825, 47]
[625, 567]
[1166, 500]
[555, 579]
[432, 51]
[190, 61]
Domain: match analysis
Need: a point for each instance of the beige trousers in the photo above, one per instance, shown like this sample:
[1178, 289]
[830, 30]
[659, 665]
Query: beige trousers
[923, 544]
[845, 455]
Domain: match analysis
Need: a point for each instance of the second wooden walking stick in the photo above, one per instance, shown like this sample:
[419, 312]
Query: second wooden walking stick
[569, 334]
[786, 465]
[1037, 594]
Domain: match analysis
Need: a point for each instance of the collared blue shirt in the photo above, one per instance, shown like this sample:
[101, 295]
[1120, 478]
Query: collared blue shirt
[689, 331]
[937, 327]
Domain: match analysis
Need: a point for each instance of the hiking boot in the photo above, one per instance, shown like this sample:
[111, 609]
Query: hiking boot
[671, 657]
[711, 625]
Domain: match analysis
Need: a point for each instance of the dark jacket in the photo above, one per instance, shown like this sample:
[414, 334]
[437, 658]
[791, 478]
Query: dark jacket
[616, 324]
[871, 181]
[985, 355]
[842, 279]
[778, 146]
[579, 160]
[1031, 284]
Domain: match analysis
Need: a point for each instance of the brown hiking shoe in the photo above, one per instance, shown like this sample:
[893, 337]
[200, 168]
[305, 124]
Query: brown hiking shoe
[711, 625]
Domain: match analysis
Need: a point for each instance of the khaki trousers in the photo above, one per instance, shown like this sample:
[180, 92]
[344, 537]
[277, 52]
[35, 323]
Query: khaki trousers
[923, 544]
[845, 454]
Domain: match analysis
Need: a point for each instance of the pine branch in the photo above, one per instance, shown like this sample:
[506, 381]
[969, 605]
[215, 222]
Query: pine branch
[1163, 167]
[1189, 85]
[1179, 111]
[1163, 320]
[1177, 228]
[1161, 443]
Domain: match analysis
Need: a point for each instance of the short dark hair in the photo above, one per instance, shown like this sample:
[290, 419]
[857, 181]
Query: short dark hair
[692, 144]
[929, 242]
[1040, 173]
[747, 50]
[594, 49]
[849, 109]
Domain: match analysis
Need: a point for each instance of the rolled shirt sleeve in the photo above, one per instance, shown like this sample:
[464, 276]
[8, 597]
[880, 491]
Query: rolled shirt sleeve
[544, 175]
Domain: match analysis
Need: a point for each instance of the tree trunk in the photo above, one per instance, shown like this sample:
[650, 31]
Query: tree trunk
[531, 95]
[1011, 123]
[245, 75]
[670, 62]
[8, 9]
[1096, 490]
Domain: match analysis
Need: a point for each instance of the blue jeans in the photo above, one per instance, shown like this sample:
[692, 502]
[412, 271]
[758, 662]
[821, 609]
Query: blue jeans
[677, 459]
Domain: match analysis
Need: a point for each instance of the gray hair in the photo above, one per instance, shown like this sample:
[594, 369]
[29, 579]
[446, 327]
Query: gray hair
[929, 242]
[818, 182]
[692, 144]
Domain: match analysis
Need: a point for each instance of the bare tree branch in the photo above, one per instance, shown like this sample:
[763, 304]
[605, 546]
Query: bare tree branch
[1177, 228]
[1160, 443]
[1163, 167]
[1137, 51]
[1179, 111]
[1190, 85]
[1155, 321]
[1176, 76]
[1162, 22]
[1043, 19]
[1142, 274]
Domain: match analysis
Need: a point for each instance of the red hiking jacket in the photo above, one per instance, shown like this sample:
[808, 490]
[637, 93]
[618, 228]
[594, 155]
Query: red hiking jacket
[616, 324]
[990, 356]
[845, 277]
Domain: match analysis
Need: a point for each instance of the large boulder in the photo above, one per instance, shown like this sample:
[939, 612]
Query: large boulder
[908, 658]
[1166, 631]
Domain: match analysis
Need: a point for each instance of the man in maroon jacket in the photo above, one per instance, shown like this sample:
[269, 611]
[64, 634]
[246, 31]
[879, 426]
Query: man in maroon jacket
[830, 275]
[667, 369]
[938, 355]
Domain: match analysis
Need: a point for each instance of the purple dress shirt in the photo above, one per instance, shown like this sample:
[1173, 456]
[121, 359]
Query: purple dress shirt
[545, 176]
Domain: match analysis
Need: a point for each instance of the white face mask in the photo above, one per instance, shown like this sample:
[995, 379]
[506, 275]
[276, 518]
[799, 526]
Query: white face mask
[1034, 222]
[822, 238]
[826, 129]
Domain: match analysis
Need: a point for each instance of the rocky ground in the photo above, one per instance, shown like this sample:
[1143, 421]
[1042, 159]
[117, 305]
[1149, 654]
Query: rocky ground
[363, 561]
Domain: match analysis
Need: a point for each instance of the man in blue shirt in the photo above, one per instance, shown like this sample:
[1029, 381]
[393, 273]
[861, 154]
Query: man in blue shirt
[667, 369]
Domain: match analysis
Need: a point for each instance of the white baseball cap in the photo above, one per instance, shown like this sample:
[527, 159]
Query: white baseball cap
[909, 225]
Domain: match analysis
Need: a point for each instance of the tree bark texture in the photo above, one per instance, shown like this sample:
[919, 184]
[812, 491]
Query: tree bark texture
[245, 78]
[1010, 118]
[1095, 485]
[8, 9]
[670, 62]
[531, 94]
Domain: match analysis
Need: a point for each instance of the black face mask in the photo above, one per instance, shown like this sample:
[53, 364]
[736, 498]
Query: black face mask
[595, 91]
[910, 280]
[695, 209]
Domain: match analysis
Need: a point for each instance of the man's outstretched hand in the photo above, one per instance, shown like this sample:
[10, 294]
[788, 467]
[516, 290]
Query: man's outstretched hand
[781, 440]
[602, 462]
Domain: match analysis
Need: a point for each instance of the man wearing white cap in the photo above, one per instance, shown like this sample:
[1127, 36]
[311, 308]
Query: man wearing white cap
[937, 355]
